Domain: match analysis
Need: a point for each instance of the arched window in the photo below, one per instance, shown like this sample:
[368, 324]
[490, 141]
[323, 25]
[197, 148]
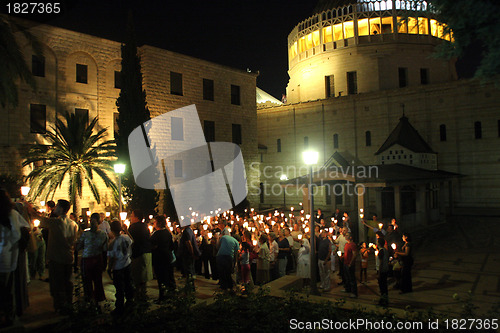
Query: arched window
[335, 141]
[368, 138]
[442, 132]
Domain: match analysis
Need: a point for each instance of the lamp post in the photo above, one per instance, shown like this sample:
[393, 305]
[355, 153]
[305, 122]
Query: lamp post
[119, 169]
[284, 178]
[311, 157]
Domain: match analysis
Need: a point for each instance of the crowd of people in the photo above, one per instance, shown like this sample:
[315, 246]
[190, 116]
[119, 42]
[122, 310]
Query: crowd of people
[232, 249]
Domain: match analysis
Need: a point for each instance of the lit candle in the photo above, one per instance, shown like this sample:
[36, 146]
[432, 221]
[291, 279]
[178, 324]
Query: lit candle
[376, 253]
[171, 228]
[169, 224]
[299, 236]
[339, 253]
[150, 217]
[291, 208]
[229, 229]
[209, 235]
[370, 245]
[151, 229]
[42, 203]
[330, 230]
[127, 223]
[393, 246]
[123, 215]
[108, 214]
[361, 215]
[361, 210]
[88, 213]
[196, 231]
[254, 242]
[205, 227]
[380, 225]
[306, 229]
[251, 209]
[25, 190]
[334, 237]
[300, 203]
[36, 223]
[253, 229]
[267, 230]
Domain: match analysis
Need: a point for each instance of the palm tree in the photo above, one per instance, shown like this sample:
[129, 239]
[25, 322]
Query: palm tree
[74, 153]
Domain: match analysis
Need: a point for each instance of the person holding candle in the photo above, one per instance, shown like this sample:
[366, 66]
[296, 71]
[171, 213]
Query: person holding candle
[11, 235]
[119, 254]
[383, 258]
[161, 248]
[364, 252]
[341, 241]
[245, 262]
[141, 265]
[284, 248]
[36, 259]
[273, 256]
[324, 251]
[226, 259]
[350, 253]
[262, 261]
[62, 238]
[93, 243]
[304, 260]
[406, 256]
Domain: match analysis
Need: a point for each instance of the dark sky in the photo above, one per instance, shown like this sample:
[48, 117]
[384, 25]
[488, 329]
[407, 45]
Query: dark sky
[238, 33]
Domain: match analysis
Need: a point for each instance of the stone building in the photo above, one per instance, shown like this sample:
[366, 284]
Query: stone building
[356, 68]
[80, 73]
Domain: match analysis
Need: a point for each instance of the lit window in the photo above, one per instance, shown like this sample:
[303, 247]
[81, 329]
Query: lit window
[402, 28]
[337, 31]
[348, 29]
[309, 41]
[375, 27]
[387, 25]
[423, 27]
[328, 34]
[412, 25]
[363, 27]
[315, 38]
[434, 28]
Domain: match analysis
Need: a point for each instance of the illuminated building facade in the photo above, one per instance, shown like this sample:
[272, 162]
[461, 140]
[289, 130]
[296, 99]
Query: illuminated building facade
[358, 69]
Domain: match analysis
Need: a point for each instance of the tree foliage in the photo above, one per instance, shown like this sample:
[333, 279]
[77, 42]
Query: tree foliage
[76, 153]
[133, 112]
[13, 66]
[474, 25]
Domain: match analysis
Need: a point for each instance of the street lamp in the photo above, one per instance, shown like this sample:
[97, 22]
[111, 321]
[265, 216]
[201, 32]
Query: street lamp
[284, 178]
[310, 158]
[119, 169]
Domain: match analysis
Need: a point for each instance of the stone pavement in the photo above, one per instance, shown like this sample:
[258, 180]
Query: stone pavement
[449, 259]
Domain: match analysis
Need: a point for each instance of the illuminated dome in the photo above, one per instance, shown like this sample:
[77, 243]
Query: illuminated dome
[349, 45]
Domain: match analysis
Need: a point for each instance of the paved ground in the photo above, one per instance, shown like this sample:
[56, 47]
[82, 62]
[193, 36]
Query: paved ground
[450, 259]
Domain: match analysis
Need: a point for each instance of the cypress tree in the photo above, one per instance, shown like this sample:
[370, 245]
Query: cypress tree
[132, 112]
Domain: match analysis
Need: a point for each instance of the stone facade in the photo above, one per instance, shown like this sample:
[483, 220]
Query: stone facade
[59, 90]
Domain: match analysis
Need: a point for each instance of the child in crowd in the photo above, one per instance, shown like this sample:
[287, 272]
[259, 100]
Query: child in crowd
[364, 252]
[245, 262]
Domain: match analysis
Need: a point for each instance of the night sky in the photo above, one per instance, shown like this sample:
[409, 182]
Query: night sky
[238, 33]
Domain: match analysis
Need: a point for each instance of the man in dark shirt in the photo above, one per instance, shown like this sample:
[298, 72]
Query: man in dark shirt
[162, 247]
[188, 251]
[141, 266]
[324, 252]
[284, 249]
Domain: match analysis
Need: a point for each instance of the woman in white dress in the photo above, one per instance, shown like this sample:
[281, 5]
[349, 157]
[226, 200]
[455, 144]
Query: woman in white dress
[304, 261]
